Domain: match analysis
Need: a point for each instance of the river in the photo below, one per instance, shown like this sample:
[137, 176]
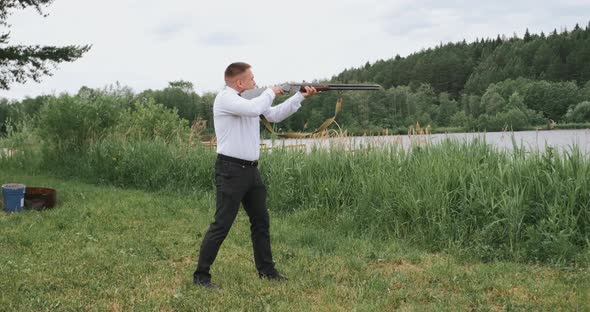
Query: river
[561, 140]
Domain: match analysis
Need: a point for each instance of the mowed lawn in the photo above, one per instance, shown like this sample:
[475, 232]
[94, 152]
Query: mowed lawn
[110, 249]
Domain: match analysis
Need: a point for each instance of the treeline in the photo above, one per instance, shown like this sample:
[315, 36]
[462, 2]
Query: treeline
[515, 104]
[487, 85]
[459, 68]
[179, 97]
[511, 104]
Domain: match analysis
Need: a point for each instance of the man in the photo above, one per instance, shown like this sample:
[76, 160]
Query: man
[237, 178]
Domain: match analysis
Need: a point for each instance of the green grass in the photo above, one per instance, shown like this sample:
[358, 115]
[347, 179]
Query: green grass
[579, 125]
[470, 197]
[109, 249]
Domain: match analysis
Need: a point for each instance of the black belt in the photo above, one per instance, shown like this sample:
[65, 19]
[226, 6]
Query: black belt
[242, 162]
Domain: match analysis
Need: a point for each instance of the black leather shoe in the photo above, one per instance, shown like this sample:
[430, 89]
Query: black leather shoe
[205, 284]
[274, 276]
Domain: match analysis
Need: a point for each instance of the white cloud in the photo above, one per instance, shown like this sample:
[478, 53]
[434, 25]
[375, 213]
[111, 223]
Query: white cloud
[222, 39]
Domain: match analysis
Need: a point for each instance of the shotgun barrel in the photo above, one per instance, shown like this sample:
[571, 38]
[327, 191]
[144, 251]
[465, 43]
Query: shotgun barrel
[294, 87]
[330, 87]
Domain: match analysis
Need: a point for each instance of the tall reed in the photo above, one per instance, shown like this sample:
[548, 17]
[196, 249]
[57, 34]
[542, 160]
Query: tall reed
[466, 196]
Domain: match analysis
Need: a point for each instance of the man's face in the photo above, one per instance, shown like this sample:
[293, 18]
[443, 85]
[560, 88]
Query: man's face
[245, 80]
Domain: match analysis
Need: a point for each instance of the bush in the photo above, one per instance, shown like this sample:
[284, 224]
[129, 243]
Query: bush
[72, 123]
[460, 119]
[579, 113]
[21, 145]
[513, 119]
[148, 120]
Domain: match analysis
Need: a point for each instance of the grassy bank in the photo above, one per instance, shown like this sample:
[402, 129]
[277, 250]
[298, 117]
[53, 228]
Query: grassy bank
[427, 129]
[465, 197]
[104, 248]
[471, 198]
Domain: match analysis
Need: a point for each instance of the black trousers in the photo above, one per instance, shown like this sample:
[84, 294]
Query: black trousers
[237, 183]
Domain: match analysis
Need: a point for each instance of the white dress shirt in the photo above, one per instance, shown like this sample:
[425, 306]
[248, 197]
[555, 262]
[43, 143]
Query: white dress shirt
[236, 120]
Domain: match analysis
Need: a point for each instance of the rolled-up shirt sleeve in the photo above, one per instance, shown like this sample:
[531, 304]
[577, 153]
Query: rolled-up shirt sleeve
[280, 112]
[233, 104]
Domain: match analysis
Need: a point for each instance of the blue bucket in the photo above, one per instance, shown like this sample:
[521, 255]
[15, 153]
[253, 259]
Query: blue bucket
[14, 197]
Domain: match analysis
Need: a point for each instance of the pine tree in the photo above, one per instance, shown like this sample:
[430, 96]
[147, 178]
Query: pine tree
[527, 36]
[19, 63]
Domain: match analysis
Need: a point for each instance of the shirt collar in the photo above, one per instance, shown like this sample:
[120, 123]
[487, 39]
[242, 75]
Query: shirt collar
[232, 90]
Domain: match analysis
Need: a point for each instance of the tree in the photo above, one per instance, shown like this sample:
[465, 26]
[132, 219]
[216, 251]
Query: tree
[445, 110]
[543, 57]
[174, 98]
[492, 102]
[186, 86]
[551, 98]
[585, 92]
[527, 36]
[579, 113]
[19, 63]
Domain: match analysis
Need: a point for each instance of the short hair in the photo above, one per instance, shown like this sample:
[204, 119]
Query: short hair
[235, 69]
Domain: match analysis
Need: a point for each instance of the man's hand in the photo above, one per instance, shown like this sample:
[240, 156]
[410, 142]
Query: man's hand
[309, 91]
[278, 91]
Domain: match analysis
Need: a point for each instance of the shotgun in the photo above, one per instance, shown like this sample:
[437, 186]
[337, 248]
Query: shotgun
[294, 87]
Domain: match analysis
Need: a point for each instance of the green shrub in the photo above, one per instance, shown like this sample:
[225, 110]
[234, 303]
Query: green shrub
[72, 123]
[579, 113]
[21, 147]
[513, 119]
[461, 119]
[148, 120]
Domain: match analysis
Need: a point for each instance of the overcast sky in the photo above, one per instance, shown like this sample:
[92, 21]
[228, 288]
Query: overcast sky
[144, 44]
